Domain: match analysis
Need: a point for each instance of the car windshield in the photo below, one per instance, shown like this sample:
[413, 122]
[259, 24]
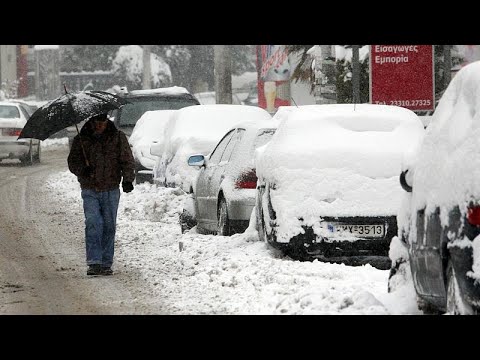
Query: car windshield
[130, 113]
[9, 112]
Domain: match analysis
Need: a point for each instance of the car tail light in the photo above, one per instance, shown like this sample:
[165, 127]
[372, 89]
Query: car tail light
[473, 215]
[247, 180]
[11, 132]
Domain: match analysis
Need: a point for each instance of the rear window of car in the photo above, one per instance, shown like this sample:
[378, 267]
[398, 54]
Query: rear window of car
[130, 113]
[9, 112]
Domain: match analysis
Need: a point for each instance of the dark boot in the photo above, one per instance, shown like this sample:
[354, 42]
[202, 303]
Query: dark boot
[107, 271]
[94, 269]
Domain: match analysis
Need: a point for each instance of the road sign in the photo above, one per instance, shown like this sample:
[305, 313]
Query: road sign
[402, 75]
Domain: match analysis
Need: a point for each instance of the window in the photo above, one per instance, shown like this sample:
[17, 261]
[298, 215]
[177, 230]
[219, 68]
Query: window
[9, 112]
[218, 152]
[130, 113]
[227, 154]
[25, 112]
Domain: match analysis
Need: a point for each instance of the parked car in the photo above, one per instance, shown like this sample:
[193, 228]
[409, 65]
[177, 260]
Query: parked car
[328, 181]
[439, 226]
[224, 190]
[148, 131]
[125, 118]
[13, 117]
[196, 130]
[171, 98]
[30, 108]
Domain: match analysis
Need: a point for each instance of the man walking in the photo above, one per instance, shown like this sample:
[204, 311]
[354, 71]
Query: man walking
[109, 160]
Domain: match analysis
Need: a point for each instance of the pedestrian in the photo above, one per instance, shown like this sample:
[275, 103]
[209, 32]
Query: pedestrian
[110, 160]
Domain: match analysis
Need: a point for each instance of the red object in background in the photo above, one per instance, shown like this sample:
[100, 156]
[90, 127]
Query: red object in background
[22, 71]
[264, 53]
[473, 215]
[402, 75]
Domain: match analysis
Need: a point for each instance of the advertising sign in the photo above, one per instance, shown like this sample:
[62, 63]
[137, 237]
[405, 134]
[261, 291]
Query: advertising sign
[273, 68]
[403, 75]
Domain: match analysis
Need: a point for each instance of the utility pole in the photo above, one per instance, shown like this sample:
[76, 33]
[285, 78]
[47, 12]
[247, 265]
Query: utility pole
[356, 73]
[447, 56]
[147, 76]
[324, 91]
[223, 74]
[318, 74]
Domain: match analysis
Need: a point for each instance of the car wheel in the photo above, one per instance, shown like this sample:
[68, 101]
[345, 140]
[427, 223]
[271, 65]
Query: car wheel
[456, 305]
[223, 222]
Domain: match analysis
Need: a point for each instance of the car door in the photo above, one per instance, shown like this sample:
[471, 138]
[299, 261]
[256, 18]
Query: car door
[217, 177]
[203, 192]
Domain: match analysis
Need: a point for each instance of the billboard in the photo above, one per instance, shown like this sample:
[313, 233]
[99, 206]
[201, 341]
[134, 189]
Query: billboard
[273, 70]
[403, 75]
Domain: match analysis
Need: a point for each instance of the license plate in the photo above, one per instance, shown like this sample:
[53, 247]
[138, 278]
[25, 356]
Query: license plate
[357, 230]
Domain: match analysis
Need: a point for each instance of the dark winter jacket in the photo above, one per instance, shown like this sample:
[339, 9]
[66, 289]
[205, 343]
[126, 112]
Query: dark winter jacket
[109, 155]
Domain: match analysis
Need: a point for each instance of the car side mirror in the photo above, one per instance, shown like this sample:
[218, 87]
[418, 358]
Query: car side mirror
[196, 160]
[403, 181]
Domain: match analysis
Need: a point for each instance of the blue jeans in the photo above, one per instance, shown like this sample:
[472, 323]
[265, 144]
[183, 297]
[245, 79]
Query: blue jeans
[100, 210]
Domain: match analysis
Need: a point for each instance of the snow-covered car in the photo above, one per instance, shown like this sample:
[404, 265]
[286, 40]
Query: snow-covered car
[148, 131]
[13, 117]
[328, 181]
[170, 98]
[196, 130]
[439, 221]
[224, 190]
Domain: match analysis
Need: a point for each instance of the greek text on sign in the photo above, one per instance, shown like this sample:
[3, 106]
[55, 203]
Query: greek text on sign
[402, 75]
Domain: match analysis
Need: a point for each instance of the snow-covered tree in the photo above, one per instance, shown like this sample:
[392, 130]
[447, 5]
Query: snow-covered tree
[127, 67]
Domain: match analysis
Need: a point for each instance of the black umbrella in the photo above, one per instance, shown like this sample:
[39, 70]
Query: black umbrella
[67, 110]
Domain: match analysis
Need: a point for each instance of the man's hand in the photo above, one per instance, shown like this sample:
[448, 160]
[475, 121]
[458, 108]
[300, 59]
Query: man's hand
[87, 171]
[127, 186]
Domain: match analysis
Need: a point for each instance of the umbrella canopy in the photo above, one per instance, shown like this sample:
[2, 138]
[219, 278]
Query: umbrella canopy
[67, 110]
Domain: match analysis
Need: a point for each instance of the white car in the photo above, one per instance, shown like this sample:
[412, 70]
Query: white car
[196, 130]
[148, 132]
[225, 188]
[13, 117]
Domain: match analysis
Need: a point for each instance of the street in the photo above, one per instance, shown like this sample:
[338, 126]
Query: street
[42, 261]
[157, 269]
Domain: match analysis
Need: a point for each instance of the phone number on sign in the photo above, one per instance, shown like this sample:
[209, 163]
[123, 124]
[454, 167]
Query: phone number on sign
[411, 102]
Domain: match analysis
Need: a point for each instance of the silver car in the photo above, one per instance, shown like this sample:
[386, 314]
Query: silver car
[224, 190]
[13, 117]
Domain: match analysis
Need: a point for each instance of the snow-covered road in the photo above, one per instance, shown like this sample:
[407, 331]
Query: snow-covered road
[160, 271]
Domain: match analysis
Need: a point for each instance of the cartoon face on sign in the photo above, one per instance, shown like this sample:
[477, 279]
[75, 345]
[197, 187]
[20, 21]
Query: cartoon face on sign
[276, 66]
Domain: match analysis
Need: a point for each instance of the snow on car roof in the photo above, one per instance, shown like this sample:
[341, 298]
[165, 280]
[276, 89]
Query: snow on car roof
[346, 136]
[167, 90]
[210, 122]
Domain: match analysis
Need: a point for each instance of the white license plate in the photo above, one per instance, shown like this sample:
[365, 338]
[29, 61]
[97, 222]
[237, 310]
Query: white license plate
[358, 230]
